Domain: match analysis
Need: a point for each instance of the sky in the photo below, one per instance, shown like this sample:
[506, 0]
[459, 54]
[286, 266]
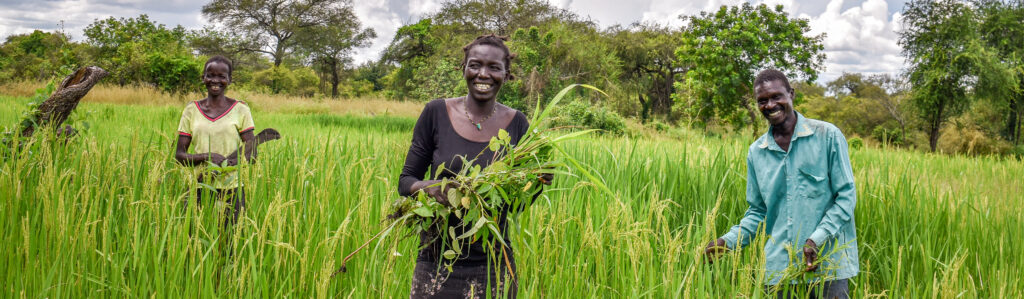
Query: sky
[861, 36]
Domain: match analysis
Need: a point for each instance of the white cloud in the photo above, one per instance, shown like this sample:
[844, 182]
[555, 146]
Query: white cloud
[860, 39]
[24, 17]
[377, 15]
[668, 11]
[422, 7]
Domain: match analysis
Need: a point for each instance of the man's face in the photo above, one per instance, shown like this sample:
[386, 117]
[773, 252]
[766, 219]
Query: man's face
[775, 102]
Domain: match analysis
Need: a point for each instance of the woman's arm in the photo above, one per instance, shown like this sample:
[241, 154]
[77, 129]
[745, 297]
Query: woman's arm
[420, 156]
[249, 148]
[182, 156]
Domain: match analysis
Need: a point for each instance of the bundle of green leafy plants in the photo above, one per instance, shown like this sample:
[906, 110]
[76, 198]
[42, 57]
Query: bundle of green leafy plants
[477, 196]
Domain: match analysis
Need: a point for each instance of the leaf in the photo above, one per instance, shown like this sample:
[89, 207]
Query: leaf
[449, 254]
[423, 212]
[497, 167]
[484, 187]
[497, 234]
[494, 144]
[208, 187]
[475, 171]
[476, 226]
[503, 135]
[452, 195]
[472, 215]
[465, 202]
[572, 135]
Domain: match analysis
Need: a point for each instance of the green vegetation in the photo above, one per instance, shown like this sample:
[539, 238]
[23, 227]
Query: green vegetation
[963, 92]
[102, 216]
[727, 48]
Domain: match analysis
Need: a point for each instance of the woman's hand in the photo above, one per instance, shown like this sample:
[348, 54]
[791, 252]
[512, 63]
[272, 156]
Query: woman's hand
[214, 158]
[431, 187]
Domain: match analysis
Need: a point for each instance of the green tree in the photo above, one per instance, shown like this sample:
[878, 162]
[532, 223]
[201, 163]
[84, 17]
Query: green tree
[502, 17]
[649, 64]
[728, 47]
[274, 27]
[942, 43]
[138, 50]
[554, 56]
[410, 49]
[1002, 28]
[331, 49]
[38, 56]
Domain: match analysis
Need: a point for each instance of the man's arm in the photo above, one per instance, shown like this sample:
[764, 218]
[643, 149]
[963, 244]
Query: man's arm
[844, 193]
[747, 228]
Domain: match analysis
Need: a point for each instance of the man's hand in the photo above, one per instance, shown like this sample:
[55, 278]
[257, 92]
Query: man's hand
[714, 249]
[546, 178]
[811, 255]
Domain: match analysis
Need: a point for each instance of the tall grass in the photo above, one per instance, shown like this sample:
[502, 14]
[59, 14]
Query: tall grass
[149, 96]
[103, 217]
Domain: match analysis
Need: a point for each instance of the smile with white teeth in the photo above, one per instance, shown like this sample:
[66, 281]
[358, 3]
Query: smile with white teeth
[776, 113]
[481, 87]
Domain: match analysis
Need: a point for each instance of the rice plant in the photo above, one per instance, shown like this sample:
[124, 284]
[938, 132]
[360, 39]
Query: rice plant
[104, 216]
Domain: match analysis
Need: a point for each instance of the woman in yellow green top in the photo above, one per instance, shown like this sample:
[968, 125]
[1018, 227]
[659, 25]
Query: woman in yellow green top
[217, 126]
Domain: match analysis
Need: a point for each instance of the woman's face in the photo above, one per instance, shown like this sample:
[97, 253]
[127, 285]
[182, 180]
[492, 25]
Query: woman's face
[216, 78]
[485, 71]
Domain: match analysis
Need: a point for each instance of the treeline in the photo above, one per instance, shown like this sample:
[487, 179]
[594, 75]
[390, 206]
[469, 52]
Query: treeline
[292, 47]
[964, 83]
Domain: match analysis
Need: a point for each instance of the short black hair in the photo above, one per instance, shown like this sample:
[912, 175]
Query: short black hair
[493, 40]
[772, 75]
[221, 59]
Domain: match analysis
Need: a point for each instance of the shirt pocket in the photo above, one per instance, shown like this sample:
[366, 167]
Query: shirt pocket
[813, 183]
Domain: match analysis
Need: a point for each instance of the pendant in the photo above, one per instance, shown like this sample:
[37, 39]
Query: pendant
[478, 128]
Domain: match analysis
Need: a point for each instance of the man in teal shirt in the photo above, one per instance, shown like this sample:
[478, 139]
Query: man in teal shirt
[800, 186]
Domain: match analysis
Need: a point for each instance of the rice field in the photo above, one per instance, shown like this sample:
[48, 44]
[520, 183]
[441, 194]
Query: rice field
[103, 216]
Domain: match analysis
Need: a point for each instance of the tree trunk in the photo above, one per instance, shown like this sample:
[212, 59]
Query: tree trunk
[56, 109]
[644, 107]
[753, 117]
[666, 93]
[933, 130]
[334, 80]
[1013, 121]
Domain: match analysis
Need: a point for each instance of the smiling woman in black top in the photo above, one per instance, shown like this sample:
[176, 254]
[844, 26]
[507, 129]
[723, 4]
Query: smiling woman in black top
[449, 129]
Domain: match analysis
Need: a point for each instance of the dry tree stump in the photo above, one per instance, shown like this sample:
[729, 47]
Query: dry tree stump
[55, 110]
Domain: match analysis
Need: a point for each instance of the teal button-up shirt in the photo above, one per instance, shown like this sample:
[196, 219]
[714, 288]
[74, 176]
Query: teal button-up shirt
[806, 193]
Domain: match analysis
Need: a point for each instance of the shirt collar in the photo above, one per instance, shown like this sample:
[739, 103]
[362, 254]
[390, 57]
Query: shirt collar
[801, 128]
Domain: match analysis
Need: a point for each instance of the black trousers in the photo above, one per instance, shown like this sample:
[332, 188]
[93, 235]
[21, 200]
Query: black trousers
[830, 289]
[428, 281]
[234, 197]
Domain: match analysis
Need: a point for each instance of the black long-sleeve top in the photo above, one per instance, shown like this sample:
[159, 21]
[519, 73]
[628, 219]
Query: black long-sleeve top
[434, 142]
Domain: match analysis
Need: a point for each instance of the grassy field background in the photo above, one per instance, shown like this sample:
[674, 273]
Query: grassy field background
[102, 215]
